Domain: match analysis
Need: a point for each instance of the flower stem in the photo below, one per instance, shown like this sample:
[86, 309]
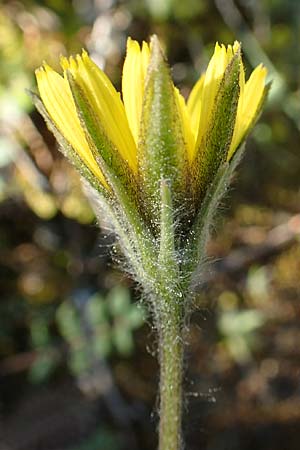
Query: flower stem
[169, 322]
[171, 362]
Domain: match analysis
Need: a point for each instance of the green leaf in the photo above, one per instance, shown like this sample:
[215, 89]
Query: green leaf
[39, 331]
[102, 341]
[96, 310]
[69, 322]
[240, 323]
[79, 361]
[123, 340]
[43, 366]
[119, 301]
[136, 317]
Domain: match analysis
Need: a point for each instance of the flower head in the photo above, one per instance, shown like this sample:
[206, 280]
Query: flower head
[151, 132]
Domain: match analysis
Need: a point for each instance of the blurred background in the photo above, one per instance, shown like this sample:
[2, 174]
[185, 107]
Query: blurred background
[77, 354]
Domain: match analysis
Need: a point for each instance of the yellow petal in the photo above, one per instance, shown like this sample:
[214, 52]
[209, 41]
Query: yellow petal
[213, 77]
[57, 98]
[188, 136]
[106, 103]
[194, 105]
[250, 98]
[133, 83]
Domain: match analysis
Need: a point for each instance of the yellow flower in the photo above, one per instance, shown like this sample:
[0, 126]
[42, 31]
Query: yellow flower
[56, 95]
[201, 100]
[133, 83]
[121, 119]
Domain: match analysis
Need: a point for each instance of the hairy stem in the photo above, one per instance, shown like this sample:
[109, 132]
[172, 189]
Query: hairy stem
[171, 365]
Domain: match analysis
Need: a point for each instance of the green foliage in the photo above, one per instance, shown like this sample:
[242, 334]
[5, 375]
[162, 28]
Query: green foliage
[103, 439]
[47, 356]
[238, 330]
[103, 326]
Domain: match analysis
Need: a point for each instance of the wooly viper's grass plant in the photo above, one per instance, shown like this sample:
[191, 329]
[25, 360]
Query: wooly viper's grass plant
[156, 168]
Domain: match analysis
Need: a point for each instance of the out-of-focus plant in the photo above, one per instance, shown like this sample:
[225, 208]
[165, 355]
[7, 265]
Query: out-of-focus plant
[47, 355]
[99, 327]
[29, 167]
[238, 328]
[103, 438]
[93, 330]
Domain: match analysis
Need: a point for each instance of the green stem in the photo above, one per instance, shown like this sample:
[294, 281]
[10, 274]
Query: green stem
[171, 366]
[170, 318]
